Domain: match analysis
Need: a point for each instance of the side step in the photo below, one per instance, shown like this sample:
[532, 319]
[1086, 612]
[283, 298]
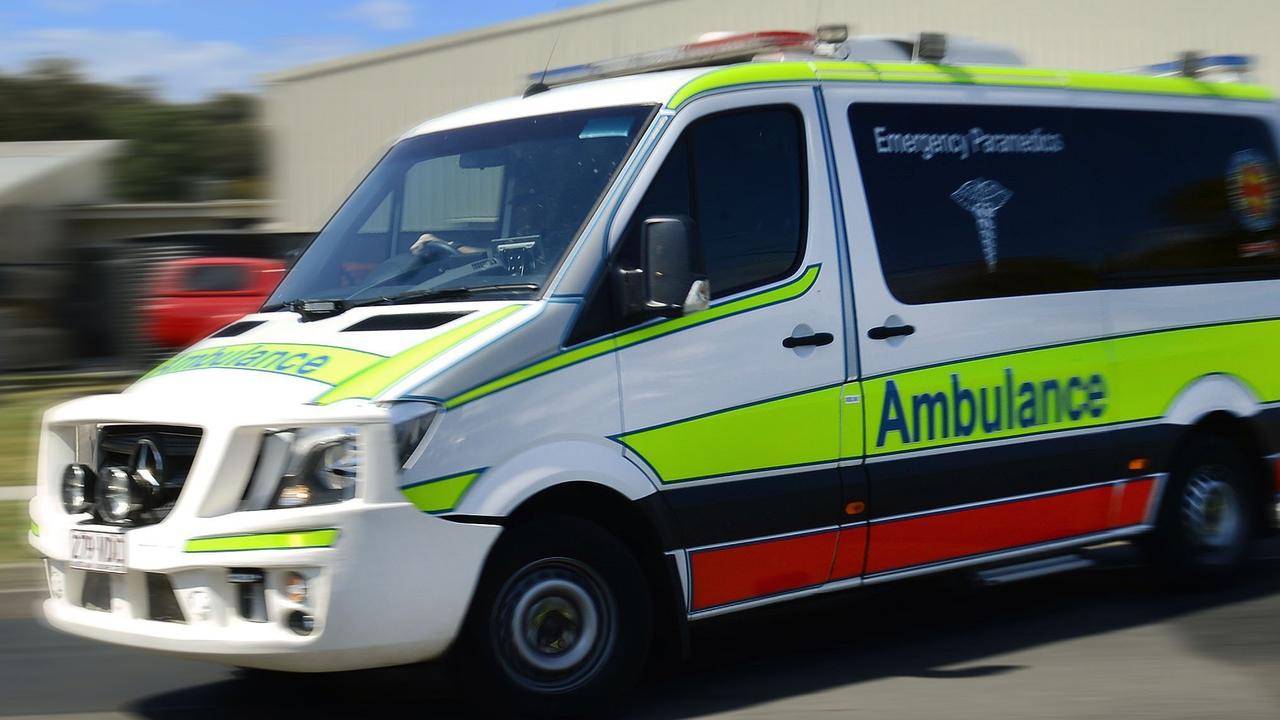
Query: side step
[1033, 569]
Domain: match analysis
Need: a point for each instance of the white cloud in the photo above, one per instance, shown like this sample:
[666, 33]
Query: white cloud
[180, 69]
[381, 14]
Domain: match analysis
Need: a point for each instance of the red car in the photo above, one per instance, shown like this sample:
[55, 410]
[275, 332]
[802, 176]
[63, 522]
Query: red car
[194, 297]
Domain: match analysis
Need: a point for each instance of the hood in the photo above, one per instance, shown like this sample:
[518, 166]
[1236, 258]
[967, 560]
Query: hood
[358, 355]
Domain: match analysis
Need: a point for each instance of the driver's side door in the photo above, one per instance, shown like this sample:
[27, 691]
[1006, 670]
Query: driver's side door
[735, 410]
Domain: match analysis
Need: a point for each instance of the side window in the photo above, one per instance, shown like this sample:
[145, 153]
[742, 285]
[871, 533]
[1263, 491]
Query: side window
[1184, 198]
[216, 278]
[740, 175]
[748, 196]
[973, 201]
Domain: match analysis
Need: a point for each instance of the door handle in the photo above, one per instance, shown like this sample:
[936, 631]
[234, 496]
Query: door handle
[816, 339]
[884, 332]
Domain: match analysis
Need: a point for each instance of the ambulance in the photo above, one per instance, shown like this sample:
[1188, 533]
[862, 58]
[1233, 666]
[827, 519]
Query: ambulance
[687, 333]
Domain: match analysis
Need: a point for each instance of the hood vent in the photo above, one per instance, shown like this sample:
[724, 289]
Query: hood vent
[237, 328]
[406, 321]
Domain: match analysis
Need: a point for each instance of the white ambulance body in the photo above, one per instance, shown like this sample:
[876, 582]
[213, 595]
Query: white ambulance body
[572, 370]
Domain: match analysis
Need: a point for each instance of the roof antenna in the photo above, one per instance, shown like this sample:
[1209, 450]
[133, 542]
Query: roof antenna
[541, 85]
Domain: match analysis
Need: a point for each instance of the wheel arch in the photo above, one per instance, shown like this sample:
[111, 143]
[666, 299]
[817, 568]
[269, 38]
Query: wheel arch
[1248, 434]
[645, 527]
[1210, 394]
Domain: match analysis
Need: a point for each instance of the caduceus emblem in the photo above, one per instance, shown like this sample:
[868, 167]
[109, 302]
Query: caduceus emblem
[983, 198]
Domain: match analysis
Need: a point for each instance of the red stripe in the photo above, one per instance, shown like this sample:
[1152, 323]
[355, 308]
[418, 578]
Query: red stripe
[742, 572]
[944, 536]
[851, 553]
[1275, 474]
[1134, 503]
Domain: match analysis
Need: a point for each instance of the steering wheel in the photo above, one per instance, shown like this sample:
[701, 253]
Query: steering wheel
[430, 248]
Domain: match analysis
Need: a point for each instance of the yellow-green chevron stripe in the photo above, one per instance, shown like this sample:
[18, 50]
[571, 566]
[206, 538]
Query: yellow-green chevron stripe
[1137, 378]
[782, 432]
[964, 75]
[263, 541]
[322, 363]
[442, 494]
[376, 378]
[1120, 379]
[781, 293]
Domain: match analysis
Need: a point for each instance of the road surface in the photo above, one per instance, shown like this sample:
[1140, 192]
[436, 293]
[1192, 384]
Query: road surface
[1105, 642]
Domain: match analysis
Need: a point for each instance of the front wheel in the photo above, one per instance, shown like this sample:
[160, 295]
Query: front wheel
[561, 622]
[1205, 523]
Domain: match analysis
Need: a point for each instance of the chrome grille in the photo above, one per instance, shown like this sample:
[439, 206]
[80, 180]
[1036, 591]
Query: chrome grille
[167, 451]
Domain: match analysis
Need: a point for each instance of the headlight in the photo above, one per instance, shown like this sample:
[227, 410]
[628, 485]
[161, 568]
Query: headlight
[321, 465]
[118, 501]
[79, 485]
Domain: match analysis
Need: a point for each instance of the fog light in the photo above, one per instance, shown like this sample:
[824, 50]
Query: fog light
[301, 623]
[295, 588]
[200, 603]
[119, 502]
[78, 488]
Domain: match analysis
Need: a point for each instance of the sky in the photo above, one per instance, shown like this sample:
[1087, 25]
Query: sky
[189, 49]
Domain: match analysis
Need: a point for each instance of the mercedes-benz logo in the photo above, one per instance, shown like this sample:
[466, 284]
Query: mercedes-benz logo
[146, 464]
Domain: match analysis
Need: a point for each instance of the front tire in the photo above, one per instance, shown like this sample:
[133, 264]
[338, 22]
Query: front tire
[1205, 524]
[561, 622]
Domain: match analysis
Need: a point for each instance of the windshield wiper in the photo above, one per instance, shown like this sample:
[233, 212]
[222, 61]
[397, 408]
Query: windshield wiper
[311, 309]
[416, 296]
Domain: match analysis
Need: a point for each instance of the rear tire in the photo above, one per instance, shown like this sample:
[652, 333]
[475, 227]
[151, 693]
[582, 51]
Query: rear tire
[1206, 518]
[561, 623]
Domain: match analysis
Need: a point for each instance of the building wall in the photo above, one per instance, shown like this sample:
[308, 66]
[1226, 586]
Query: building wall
[330, 122]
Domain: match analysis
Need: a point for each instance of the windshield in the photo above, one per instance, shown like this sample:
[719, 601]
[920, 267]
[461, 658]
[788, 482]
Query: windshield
[488, 209]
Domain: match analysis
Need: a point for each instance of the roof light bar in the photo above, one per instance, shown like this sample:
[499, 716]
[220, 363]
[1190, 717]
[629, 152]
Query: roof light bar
[717, 50]
[1228, 68]
[931, 47]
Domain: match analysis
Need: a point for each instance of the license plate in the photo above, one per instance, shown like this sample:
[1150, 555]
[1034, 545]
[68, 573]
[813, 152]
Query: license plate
[100, 551]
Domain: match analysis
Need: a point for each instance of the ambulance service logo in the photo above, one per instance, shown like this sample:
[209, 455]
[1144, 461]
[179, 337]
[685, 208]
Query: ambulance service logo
[983, 198]
[1251, 186]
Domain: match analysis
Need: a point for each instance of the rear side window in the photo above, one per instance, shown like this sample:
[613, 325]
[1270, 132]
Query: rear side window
[215, 278]
[975, 201]
[1183, 198]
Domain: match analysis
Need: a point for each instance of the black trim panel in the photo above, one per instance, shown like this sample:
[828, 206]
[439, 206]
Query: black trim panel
[741, 509]
[946, 479]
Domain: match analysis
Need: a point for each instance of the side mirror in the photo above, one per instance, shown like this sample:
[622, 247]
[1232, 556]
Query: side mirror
[675, 278]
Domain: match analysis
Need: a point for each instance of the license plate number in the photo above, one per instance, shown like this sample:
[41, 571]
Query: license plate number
[103, 552]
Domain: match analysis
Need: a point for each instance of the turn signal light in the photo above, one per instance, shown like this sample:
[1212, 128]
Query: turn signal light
[295, 588]
[1139, 464]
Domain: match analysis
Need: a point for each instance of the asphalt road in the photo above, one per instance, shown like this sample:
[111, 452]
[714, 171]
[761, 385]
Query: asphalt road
[1106, 642]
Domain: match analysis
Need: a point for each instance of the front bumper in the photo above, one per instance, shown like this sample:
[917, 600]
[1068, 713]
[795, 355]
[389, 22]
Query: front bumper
[393, 588]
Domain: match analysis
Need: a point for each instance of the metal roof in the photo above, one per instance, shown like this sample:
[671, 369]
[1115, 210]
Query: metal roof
[673, 88]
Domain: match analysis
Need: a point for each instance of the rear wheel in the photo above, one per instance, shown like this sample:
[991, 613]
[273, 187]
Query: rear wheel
[561, 622]
[1206, 517]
